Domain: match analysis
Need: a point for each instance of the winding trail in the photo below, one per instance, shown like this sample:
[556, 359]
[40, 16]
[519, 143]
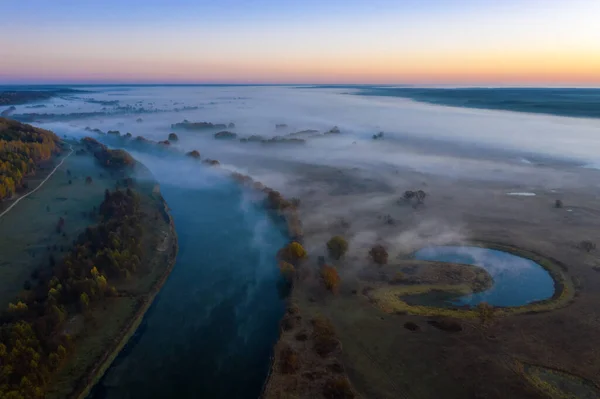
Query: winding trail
[40, 185]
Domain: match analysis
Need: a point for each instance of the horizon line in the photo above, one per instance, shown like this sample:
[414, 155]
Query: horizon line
[341, 85]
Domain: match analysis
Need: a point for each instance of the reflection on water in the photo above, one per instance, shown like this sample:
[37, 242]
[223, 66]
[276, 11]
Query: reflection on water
[211, 330]
[517, 281]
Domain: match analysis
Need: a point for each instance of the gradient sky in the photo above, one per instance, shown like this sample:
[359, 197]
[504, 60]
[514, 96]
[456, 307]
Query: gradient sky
[470, 42]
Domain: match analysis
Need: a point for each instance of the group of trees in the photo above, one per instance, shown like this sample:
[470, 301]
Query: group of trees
[22, 147]
[419, 195]
[33, 341]
[113, 159]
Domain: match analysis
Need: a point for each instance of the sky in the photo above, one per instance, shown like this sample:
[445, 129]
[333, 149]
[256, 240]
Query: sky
[422, 42]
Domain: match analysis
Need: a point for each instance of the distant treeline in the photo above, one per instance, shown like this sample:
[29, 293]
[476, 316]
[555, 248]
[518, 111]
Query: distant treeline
[22, 96]
[22, 147]
[34, 334]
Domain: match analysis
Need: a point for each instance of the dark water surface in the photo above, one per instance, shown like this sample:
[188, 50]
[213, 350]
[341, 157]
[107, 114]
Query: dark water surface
[211, 330]
[517, 281]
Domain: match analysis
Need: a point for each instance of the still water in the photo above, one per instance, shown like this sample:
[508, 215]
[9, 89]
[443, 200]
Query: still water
[517, 281]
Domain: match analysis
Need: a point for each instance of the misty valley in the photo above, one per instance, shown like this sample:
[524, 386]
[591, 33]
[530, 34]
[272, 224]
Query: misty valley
[232, 241]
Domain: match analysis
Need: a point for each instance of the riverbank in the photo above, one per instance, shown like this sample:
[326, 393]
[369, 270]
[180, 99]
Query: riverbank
[128, 331]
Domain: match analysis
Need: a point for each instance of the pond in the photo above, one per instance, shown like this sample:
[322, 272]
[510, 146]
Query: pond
[517, 281]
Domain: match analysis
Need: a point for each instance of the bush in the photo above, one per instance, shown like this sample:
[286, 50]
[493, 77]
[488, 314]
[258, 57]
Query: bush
[323, 335]
[379, 254]
[330, 278]
[337, 247]
[338, 388]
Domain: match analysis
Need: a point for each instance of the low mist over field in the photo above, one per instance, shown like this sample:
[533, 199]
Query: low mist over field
[453, 142]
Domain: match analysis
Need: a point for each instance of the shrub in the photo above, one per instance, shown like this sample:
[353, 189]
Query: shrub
[338, 388]
[330, 278]
[323, 335]
[379, 254]
[337, 247]
[288, 360]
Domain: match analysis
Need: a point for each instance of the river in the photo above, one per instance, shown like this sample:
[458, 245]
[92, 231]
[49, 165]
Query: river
[211, 330]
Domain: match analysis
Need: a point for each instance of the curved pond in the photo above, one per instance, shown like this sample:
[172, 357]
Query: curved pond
[517, 281]
[211, 330]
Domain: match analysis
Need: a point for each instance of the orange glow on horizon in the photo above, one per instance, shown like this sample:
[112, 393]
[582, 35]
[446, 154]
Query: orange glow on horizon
[575, 67]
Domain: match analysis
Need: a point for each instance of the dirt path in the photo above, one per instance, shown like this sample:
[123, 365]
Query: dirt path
[40, 185]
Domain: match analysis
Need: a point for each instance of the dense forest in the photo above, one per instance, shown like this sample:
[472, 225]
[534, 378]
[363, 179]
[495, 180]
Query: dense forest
[34, 338]
[22, 147]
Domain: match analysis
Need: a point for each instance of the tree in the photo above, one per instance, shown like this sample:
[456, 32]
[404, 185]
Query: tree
[379, 254]
[558, 204]
[421, 196]
[337, 247]
[193, 154]
[287, 271]
[587, 246]
[331, 278]
[292, 252]
[84, 301]
[173, 137]
[408, 195]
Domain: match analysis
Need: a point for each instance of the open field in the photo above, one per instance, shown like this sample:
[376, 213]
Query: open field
[383, 357]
